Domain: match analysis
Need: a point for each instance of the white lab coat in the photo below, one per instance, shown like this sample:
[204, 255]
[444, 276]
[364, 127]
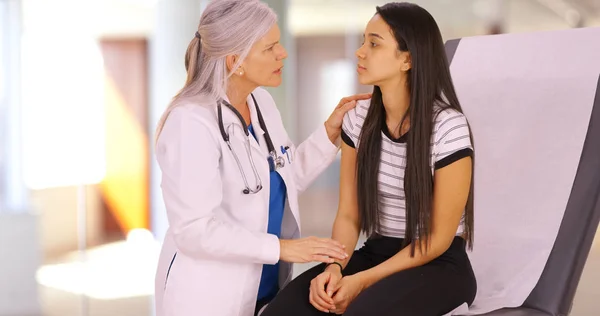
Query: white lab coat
[218, 234]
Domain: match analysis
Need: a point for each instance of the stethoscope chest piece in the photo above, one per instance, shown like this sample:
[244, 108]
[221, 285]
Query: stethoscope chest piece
[275, 162]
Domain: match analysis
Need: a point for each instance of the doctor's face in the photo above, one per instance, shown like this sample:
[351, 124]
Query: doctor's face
[264, 63]
[379, 59]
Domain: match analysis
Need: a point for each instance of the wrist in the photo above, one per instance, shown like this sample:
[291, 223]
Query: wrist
[334, 267]
[332, 133]
[282, 247]
[364, 279]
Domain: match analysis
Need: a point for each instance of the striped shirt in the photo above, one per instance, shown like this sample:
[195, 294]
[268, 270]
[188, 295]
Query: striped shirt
[450, 142]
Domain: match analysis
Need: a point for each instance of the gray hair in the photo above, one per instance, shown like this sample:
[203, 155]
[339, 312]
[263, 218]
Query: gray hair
[227, 27]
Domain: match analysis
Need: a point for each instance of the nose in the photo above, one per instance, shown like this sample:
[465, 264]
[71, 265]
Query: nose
[360, 54]
[281, 53]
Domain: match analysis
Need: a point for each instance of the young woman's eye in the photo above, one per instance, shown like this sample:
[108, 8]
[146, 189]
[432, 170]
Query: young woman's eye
[373, 44]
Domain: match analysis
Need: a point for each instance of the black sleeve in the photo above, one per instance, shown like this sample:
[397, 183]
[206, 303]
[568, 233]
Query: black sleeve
[347, 139]
[454, 157]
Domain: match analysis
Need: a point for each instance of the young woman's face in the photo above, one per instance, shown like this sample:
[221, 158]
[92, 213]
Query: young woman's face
[264, 62]
[379, 59]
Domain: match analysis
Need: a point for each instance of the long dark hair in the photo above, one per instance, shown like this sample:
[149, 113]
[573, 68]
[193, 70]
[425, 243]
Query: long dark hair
[429, 83]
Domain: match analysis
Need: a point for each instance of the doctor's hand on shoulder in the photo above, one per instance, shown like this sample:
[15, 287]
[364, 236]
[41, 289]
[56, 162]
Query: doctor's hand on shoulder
[333, 125]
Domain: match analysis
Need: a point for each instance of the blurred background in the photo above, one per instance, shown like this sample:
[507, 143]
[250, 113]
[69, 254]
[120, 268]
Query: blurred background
[82, 85]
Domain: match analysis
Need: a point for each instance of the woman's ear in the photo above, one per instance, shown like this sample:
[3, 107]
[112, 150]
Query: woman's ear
[230, 62]
[406, 62]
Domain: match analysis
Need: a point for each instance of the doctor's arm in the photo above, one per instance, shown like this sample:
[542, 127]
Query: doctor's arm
[317, 152]
[192, 190]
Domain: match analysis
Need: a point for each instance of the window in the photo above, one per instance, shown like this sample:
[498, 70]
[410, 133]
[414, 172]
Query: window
[62, 110]
[338, 79]
[3, 99]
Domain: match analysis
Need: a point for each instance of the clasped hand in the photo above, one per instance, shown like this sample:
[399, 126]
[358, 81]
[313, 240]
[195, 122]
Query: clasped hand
[331, 292]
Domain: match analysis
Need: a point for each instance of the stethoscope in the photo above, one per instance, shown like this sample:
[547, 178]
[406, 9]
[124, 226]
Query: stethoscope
[276, 162]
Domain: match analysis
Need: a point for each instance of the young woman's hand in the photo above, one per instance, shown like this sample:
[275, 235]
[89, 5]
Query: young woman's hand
[347, 290]
[321, 288]
[311, 249]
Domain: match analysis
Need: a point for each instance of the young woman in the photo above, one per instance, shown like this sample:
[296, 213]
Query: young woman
[406, 182]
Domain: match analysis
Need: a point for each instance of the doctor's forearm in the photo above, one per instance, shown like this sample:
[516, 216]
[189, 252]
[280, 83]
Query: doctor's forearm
[313, 156]
[211, 238]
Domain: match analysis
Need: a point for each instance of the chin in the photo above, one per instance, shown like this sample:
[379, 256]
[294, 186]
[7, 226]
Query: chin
[272, 83]
[365, 81]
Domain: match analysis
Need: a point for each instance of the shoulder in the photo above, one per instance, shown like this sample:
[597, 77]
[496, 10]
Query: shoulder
[267, 104]
[196, 110]
[451, 136]
[194, 117]
[362, 107]
[447, 119]
[355, 118]
[353, 122]
[264, 99]
[261, 94]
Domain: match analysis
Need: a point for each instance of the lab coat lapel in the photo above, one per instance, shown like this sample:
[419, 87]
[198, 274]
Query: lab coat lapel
[260, 133]
[230, 118]
[287, 171]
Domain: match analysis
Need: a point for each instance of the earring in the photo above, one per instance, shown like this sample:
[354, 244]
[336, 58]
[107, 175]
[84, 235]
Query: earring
[241, 72]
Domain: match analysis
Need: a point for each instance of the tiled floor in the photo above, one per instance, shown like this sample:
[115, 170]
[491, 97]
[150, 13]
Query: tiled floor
[318, 211]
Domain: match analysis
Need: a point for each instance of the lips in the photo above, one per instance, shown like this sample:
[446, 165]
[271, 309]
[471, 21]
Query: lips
[278, 71]
[360, 68]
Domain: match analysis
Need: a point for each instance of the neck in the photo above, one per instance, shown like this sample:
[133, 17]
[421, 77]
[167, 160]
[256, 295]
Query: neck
[238, 91]
[396, 100]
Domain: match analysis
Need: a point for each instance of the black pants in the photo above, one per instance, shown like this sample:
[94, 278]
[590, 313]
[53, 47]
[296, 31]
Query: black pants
[429, 290]
[262, 302]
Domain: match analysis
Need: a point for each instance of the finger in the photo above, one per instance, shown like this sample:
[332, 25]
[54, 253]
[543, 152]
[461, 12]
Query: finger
[346, 107]
[324, 259]
[319, 288]
[362, 96]
[325, 247]
[335, 246]
[322, 299]
[332, 242]
[331, 252]
[331, 287]
[337, 288]
[338, 307]
[314, 302]
[349, 105]
[344, 101]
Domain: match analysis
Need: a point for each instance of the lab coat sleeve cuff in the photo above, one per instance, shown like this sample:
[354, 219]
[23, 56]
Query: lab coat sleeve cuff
[324, 143]
[270, 249]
